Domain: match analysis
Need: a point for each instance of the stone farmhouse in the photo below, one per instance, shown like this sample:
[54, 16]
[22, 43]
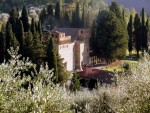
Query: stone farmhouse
[73, 46]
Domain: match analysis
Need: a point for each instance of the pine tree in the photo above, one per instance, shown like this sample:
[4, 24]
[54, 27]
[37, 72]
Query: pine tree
[52, 58]
[24, 19]
[130, 32]
[114, 7]
[137, 33]
[111, 41]
[2, 47]
[57, 11]
[75, 85]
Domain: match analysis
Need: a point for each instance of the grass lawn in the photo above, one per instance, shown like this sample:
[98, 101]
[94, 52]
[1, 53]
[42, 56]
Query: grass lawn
[114, 68]
[117, 66]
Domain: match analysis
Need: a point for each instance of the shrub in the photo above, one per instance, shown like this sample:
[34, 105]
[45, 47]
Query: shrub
[131, 95]
[42, 97]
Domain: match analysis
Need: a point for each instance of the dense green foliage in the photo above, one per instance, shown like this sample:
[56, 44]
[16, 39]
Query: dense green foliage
[75, 85]
[130, 32]
[137, 33]
[110, 37]
[18, 32]
[2, 46]
[130, 96]
[52, 58]
[24, 18]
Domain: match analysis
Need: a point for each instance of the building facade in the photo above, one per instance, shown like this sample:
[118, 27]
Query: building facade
[73, 46]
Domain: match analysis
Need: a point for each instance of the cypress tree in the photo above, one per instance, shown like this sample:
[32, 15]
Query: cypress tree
[63, 74]
[40, 30]
[137, 33]
[14, 42]
[143, 29]
[57, 11]
[33, 27]
[9, 36]
[146, 30]
[43, 15]
[52, 58]
[77, 16]
[73, 20]
[66, 19]
[28, 45]
[21, 36]
[2, 47]
[50, 10]
[83, 16]
[130, 32]
[24, 19]
[38, 52]
[75, 85]
[13, 19]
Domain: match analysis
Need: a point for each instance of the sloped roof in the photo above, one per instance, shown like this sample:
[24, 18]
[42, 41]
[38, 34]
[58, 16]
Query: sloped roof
[104, 76]
[73, 32]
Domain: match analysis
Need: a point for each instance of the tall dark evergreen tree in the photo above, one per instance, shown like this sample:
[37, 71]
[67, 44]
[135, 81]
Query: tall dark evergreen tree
[75, 85]
[111, 41]
[40, 30]
[143, 29]
[33, 27]
[50, 10]
[57, 11]
[73, 19]
[38, 52]
[146, 30]
[52, 58]
[24, 19]
[21, 36]
[77, 16]
[2, 47]
[43, 15]
[66, 19]
[28, 46]
[9, 36]
[137, 33]
[13, 20]
[83, 16]
[63, 74]
[130, 32]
